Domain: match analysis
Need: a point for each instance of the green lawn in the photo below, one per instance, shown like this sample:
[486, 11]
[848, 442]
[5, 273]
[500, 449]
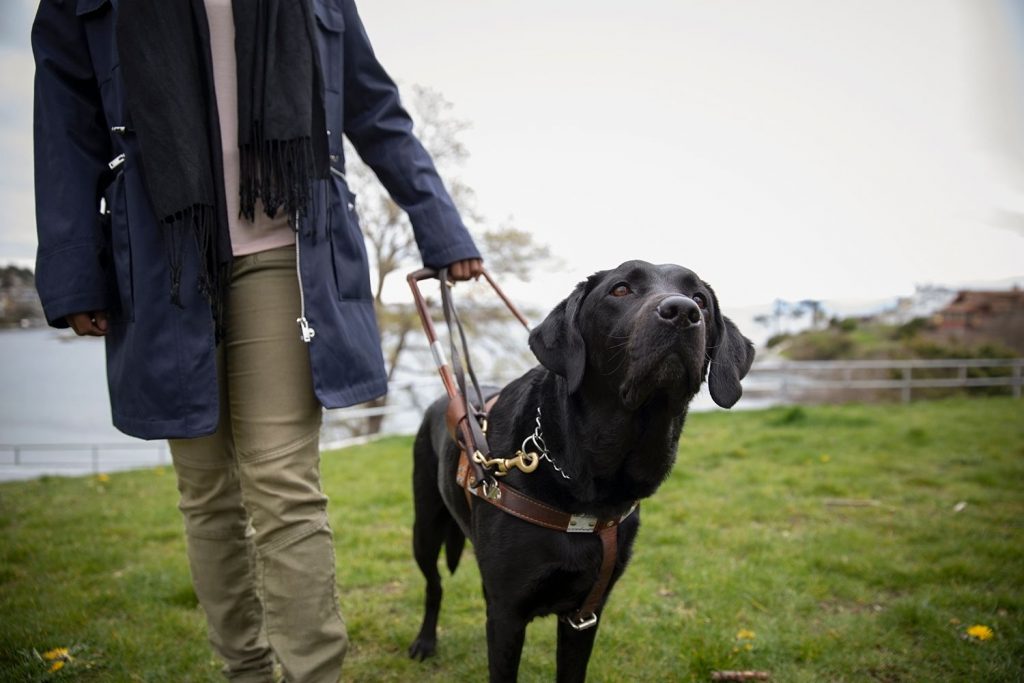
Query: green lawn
[849, 543]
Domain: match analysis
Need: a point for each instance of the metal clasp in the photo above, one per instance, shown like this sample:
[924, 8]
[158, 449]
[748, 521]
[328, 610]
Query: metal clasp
[526, 462]
[491, 490]
[583, 524]
[582, 623]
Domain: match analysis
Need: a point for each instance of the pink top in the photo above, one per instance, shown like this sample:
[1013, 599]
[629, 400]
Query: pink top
[264, 233]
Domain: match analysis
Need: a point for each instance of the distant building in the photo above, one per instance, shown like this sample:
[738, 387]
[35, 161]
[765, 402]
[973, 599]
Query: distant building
[971, 310]
[923, 303]
[980, 316]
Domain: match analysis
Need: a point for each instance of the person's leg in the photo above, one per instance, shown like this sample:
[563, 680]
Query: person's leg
[219, 552]
[276, 424]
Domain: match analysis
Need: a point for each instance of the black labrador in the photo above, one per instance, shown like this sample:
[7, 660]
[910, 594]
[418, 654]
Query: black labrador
[621, 358]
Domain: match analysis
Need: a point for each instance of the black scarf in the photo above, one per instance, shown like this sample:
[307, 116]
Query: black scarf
[282, 136]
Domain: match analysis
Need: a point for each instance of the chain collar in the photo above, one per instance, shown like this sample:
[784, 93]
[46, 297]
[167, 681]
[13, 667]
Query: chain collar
[541, 448]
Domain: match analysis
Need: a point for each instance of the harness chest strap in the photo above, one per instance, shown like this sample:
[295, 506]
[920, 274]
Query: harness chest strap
[531, 510]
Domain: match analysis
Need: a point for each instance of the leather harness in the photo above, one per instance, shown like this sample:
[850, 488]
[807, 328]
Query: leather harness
[512, 501]
[473, 474]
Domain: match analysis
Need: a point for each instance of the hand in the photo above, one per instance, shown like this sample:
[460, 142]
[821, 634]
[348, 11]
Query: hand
[89, 324]
[465, 270]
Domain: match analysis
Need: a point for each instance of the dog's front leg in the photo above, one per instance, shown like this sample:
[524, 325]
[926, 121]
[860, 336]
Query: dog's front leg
[574, 648]
[505, 637]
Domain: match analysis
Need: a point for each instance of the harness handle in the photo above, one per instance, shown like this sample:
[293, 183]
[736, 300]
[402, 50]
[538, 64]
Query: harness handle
[462, 413]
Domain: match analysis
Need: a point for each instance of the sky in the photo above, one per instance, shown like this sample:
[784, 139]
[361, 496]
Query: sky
[795, 149]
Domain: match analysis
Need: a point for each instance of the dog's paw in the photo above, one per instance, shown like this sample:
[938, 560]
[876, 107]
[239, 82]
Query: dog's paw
[422, 648]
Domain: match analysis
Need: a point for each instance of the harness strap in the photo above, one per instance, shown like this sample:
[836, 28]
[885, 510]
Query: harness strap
[586, 616]
[531, 510]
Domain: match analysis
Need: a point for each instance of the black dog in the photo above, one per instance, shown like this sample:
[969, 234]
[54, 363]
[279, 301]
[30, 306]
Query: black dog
[621, 358]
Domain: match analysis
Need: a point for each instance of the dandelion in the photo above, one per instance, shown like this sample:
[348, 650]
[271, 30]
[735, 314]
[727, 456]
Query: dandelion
[58, 657]
[745, 634]
[102, 478]
[825, 458]
[980, 632]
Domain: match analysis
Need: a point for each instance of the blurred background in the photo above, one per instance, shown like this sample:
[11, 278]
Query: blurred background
[848, 176]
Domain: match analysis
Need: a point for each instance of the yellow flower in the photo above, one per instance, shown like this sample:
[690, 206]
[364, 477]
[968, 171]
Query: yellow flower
[58, 657]
[102, 478]
[980, 632]
[826, 457]
[745, 634]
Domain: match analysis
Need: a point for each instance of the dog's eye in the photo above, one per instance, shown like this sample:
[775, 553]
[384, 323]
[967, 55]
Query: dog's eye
[621, 289]
[700, 300]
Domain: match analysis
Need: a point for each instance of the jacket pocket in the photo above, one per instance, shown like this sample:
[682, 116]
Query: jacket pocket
[116, 218]
[330, 40]
[348, 249]
[98, 18]
[331, 25]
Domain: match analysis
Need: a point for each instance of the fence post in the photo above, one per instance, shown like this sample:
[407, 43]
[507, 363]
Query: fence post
[905, 391]
[95, 459]
[1016, 379]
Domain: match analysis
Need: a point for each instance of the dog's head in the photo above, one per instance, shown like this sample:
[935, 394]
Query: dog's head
[645, 329]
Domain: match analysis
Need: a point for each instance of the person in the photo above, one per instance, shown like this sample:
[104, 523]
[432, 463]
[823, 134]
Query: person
[192, 209]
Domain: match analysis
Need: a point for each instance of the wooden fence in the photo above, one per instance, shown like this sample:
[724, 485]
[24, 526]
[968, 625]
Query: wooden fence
[768, 383]
[793, 381]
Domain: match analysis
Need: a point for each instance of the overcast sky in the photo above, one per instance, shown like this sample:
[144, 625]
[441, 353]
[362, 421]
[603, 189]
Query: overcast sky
[830, 149]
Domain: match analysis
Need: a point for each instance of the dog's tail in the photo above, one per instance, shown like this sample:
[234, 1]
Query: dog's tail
[454, 542]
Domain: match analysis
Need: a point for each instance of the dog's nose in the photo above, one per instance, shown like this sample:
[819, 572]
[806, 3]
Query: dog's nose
[679, 309]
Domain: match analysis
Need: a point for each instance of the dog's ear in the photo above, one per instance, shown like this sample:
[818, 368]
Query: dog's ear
[558, 342]
[730, 357]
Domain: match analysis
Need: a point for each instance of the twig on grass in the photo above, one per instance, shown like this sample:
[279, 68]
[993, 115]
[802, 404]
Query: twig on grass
[852, 503]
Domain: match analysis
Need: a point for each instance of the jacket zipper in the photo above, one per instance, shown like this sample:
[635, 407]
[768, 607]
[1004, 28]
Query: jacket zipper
[307, 331]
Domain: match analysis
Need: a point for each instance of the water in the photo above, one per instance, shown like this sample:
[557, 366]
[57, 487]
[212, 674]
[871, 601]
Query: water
[53, 391]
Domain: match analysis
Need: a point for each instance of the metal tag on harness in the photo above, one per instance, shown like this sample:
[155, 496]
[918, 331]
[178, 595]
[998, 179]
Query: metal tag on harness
[583, 524]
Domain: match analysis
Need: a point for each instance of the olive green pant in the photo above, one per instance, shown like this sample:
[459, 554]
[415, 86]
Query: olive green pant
[259, 544]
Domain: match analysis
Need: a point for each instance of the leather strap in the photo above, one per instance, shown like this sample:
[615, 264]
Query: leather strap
[586, 616]
[474, 439]
[520, 505]
[529, 509]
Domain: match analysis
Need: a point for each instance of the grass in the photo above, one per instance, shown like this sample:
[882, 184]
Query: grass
[844, 543]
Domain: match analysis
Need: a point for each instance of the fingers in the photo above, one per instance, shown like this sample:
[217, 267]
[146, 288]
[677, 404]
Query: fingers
[465, 270]
[90, 324]
[101, 321]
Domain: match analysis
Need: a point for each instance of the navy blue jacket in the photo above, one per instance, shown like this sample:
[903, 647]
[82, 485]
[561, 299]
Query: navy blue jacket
[161, 367]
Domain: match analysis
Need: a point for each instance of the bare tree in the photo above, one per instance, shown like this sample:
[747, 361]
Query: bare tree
[508, 251]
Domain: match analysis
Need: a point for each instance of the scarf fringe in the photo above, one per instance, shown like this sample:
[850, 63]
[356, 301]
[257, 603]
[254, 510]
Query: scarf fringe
[277, 172]
[199, 221]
